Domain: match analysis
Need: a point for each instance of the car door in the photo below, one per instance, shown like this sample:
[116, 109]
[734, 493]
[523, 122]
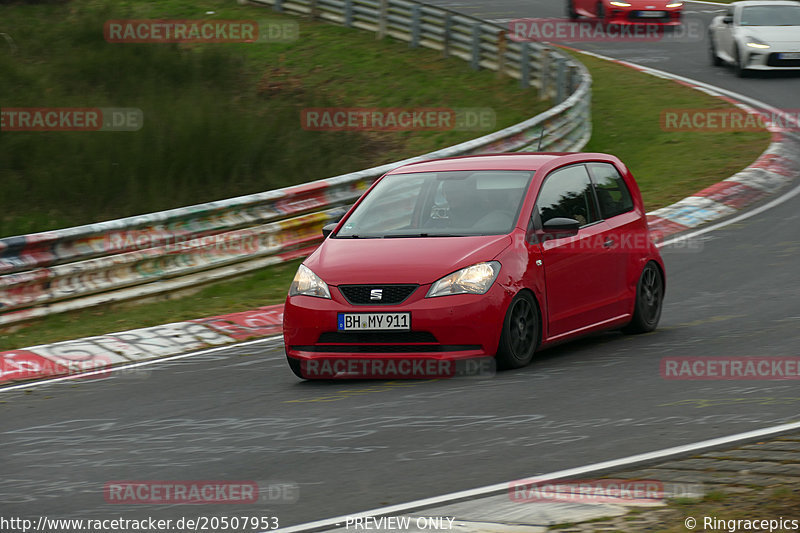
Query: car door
[626, 237]
[578, 269]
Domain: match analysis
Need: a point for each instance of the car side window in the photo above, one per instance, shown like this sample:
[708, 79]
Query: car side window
[612, 192]
[567, 193]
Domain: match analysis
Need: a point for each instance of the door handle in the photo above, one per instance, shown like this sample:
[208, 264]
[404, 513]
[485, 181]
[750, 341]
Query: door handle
[609, 243]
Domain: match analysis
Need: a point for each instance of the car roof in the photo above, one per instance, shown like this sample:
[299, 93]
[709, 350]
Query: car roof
[510, 161]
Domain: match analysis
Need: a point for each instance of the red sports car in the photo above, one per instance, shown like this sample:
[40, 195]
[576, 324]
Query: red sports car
[662, 12]
[490, 256]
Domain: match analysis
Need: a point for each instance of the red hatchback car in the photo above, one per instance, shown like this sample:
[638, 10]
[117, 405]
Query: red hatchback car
[661, 12]
[476, 257]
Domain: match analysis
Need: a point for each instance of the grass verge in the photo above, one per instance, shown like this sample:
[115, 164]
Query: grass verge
[626, 110]
[220, 120]
[720, 510]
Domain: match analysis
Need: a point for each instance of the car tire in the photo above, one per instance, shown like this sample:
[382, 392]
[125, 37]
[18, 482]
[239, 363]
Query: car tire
[294, 364]
[649, 300]
[715, 60]
[521, 331]
[571, 13]
[737, 64]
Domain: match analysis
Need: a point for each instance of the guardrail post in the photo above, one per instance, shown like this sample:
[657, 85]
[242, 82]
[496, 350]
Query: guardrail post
[544, 74]
[572, 76]
[383, 11]
[314, 10]
[502, 44]
[561, 79]
[524, 65]
[278, 5]
[348, 13]
[476, 46]
[416, 11]
[448, 26]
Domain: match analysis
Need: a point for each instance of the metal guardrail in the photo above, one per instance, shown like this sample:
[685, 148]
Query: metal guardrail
[134, 257]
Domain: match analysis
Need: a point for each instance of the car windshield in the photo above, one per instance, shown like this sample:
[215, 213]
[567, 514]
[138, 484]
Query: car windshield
[439, 204]
[775, 15]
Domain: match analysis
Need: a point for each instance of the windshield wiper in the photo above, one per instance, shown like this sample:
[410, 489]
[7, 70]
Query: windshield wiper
[414, 235]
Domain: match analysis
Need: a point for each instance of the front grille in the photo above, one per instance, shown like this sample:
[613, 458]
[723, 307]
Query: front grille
[377, 337]
[390, 294]
[774, 61]
[389, 348]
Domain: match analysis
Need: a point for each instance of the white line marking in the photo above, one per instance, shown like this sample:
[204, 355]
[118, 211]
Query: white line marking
[561, 474]
[113, 369]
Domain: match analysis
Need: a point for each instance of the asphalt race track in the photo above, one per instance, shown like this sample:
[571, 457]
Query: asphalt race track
[240, 414]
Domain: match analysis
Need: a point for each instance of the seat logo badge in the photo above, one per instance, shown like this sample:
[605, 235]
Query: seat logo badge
[376, 294]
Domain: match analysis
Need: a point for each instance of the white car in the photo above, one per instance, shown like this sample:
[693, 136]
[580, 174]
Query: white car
[757, 35]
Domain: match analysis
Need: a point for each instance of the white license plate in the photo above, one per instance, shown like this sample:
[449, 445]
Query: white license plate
[374, 321]
[651, 14]
[789, 55]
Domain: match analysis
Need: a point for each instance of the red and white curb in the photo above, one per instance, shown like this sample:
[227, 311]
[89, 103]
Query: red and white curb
[101, 353]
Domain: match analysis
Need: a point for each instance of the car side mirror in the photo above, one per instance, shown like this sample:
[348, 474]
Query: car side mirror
[328, 229]
[561, 226]
[727, 19]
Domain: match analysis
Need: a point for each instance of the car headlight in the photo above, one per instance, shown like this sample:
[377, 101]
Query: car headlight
[675, 4]
[620, 4]
[475, 279]
[306, 283]
[752, 42]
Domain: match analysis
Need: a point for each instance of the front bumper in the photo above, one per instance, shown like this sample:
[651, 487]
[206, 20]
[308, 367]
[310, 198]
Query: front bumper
[672, 17]
[464, 326]
[770, 60]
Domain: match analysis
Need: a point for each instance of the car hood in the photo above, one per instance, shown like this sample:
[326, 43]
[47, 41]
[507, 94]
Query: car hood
[772, 34]
[413, 260]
